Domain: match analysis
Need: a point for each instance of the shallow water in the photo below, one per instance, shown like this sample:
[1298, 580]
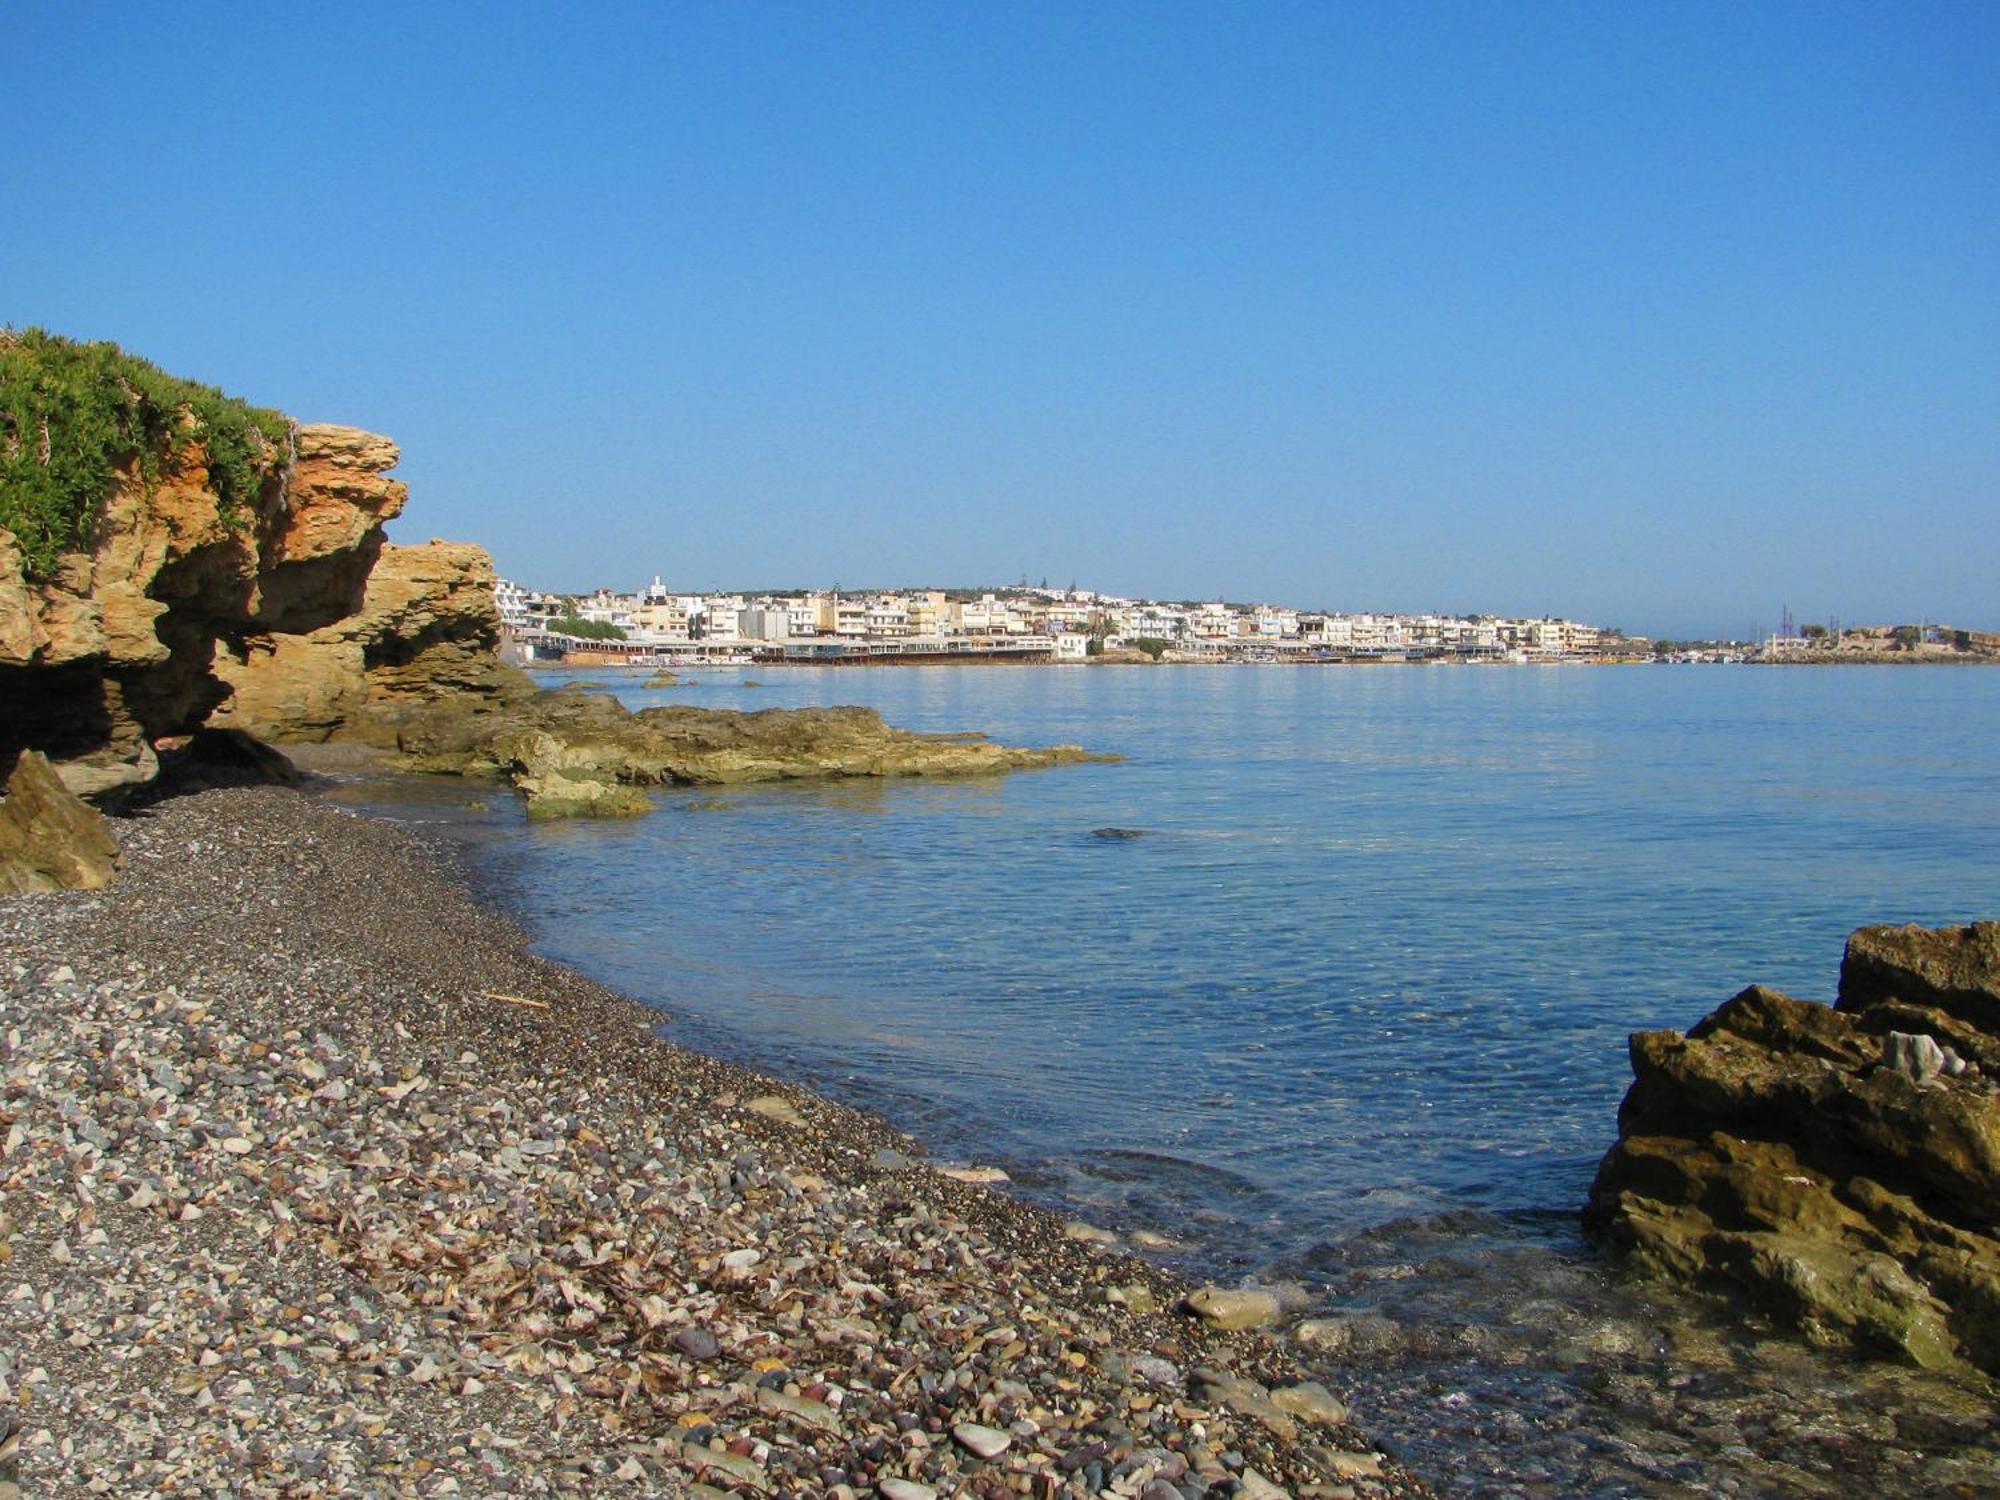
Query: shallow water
[1351, 1009]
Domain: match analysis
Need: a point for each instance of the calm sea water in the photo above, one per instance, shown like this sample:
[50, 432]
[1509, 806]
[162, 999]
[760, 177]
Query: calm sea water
[1352, 1008]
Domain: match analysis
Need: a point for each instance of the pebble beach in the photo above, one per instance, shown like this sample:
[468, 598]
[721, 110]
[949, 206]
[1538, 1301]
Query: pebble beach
[314, 1180]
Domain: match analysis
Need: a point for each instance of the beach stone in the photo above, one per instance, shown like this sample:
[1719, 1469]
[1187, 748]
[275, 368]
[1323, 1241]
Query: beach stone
[735, 1465]
[697, 1343]
[775, 1107]
[905, 1489]
[1090, 1234]
[1254, 1486]
[1244, 1397]
[1135, 1295]
[1311, 1401]
[1355, 1465]
[814, 1414]
[976, 1175]
[1234, 1308]
[986, 1442]
[1918, 1058]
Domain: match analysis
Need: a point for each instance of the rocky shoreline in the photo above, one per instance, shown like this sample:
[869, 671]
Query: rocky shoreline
[317, 1181]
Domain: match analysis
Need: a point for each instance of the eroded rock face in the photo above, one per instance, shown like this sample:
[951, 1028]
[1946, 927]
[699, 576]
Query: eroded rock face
[562, 737]
[1840, 1166]
[115, 649]
[426, 628]
[50, 839]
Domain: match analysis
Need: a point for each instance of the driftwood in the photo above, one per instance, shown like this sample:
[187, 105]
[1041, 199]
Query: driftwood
[514, 999]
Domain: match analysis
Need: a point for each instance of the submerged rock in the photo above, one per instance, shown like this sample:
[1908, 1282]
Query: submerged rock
[1839, 1166]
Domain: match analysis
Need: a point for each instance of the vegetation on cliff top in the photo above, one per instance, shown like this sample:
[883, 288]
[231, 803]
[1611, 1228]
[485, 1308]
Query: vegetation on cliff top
[73, 414]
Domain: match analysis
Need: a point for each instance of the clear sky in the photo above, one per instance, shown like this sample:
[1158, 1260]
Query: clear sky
[1662, 315]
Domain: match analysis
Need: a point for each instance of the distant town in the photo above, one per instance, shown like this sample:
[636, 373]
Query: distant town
[1029, 623]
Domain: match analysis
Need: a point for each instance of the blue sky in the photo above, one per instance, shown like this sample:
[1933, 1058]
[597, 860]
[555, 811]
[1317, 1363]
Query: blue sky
[1660, 315]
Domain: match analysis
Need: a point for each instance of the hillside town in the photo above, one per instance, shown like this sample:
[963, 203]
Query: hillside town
[1023, 623]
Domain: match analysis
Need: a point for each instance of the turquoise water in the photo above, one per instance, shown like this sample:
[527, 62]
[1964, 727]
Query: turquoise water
[1351, 1009]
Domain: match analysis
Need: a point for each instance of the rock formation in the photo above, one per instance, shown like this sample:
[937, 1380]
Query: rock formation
[550, 743]
[291, 620]
[115, 647]
[1838, 1166]
[426, 627]
[50, 839]
[254, 594]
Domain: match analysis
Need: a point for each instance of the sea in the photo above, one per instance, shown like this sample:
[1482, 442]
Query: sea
[1327, 984]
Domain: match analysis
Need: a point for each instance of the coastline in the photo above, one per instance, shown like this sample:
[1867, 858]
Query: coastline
[318, 1179]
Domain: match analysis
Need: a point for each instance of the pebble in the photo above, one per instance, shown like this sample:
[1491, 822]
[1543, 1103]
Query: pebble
[697, 1343]
[987, 1442]
[271, 1135]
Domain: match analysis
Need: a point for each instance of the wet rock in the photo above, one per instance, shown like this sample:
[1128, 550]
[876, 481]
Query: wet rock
[982, 1176]
[1311, 1401]
[555, 795]
[577, 735]
[1245, 1397]
[1230, 1307]
[1827, 1162]
[775, 1107]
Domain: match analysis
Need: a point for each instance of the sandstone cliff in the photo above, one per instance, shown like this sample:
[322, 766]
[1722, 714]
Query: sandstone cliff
[115, 646]
[426, 627]
[1838, 1166]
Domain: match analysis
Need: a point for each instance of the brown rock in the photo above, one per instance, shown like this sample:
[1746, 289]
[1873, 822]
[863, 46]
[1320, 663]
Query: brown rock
[573, 735]
[426, 631]
[338, 496]
[114, 649]
[50, 839]
[1838, 1166]
[1955, 970]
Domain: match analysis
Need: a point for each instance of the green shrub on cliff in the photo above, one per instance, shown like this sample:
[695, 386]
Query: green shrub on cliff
[73, 414]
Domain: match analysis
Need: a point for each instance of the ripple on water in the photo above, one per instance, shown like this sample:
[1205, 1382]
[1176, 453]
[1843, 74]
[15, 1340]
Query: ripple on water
[1353, 1010]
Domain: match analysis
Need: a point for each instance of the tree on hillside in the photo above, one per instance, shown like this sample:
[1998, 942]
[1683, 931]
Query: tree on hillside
[586, 630]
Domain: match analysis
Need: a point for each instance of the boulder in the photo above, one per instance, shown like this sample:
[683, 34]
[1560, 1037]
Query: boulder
[50, 839]
[1838, 1166]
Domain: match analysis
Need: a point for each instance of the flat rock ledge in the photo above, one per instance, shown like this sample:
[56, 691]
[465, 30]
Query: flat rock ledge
[573, 753]
[1839, 1166]
[314, 1181]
